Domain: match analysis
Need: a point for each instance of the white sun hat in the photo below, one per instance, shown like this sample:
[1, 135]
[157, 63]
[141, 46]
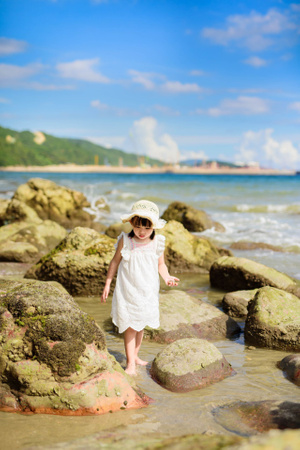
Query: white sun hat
[147, 210]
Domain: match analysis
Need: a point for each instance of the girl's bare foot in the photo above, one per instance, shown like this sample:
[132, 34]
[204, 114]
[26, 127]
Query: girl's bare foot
[130, 369]
[140, 362]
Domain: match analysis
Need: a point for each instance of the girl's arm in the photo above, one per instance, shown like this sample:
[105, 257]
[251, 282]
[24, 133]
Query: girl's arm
[164, 273]
[113, 267]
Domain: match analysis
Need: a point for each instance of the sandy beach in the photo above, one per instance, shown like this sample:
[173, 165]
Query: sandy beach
[74, 168]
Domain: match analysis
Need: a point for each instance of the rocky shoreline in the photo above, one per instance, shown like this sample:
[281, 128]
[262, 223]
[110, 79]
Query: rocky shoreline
[54, 357]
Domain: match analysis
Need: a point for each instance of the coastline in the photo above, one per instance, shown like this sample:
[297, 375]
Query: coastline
[74, 168]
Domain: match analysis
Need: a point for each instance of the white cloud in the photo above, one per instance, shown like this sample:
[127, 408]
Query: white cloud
[262, 147]
[295, 106]
[11, 75]
[10, 46]
[98, 105]
[83, 70]
[242, 105]
[254, 31]
[255, 61]
[144, 78]
[176, 87]
[154, 81]
[146, 139]
[200, 155]
[197, 73]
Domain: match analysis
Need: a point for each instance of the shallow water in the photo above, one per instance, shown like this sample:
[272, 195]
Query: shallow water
[256, 378]
[252, 208]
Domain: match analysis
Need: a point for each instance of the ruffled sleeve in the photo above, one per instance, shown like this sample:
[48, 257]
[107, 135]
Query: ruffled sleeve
[160, 246]
[125, 252]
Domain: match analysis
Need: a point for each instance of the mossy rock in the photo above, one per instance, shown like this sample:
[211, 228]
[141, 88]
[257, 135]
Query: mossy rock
[249, 418]
[182, 316]
[235, 274]
[53, 356]
[189, 364]
[191, 218]
[58, 203]
[116, 229]
[185, 252]
[235, 304]
[274, 320]
[80, 262]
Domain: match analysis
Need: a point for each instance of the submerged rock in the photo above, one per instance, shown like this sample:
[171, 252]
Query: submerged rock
[182, 316]
[185, 252]
[50, 201]
[235, 304]
[248, 418]
[233, 274]
[191, 218]
[273, 320]
[53, 356]
[291, 365]
[245, 245]
[28, 242]
[189, 364]
[80, 262]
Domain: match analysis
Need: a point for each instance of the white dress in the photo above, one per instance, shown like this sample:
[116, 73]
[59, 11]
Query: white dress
[135, 299]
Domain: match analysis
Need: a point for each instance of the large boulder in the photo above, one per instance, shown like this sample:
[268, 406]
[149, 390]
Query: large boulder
[191, 218]
[235, 304]
[80, 262]
[273, 320]
[233, 274]
[116, 229]
[53, 356]
[248, 418]
[58, 203]
[185, 252]
[291, 366]
[18, 211]
[189, 364]
[27, 242]
[182, 316]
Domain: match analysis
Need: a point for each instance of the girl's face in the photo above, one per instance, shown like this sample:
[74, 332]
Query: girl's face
[141, 232]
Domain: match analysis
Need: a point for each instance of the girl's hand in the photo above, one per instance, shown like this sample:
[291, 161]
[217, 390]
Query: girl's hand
[171, 281]
[105, 294]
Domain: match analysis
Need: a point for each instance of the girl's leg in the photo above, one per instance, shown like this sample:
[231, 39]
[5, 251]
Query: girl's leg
[138, 343]
[130, 344]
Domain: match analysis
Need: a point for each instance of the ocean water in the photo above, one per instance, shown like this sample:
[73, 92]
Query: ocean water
[251, 207]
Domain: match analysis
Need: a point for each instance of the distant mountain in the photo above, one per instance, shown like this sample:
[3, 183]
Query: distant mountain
[41, 149]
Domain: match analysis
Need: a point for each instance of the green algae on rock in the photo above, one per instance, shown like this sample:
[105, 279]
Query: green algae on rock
[189, 364]
[232, 274]
[53, 356]
[235, 303]
[273, 320]
[191, 218]
[182, 316]
[185, 252]
[58, 203]
[28, 242]
[248, 418]
[80, 262]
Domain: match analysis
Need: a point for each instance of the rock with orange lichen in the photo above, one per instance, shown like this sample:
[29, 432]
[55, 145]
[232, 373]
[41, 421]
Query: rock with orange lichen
[53, 356]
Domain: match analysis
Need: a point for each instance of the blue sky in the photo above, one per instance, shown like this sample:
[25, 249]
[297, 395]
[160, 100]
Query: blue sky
[170, 79]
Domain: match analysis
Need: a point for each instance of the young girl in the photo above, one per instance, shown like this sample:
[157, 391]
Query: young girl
[139, 258]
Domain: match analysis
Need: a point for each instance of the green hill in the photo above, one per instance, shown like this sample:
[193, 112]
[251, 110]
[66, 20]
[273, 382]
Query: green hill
[30, 149]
